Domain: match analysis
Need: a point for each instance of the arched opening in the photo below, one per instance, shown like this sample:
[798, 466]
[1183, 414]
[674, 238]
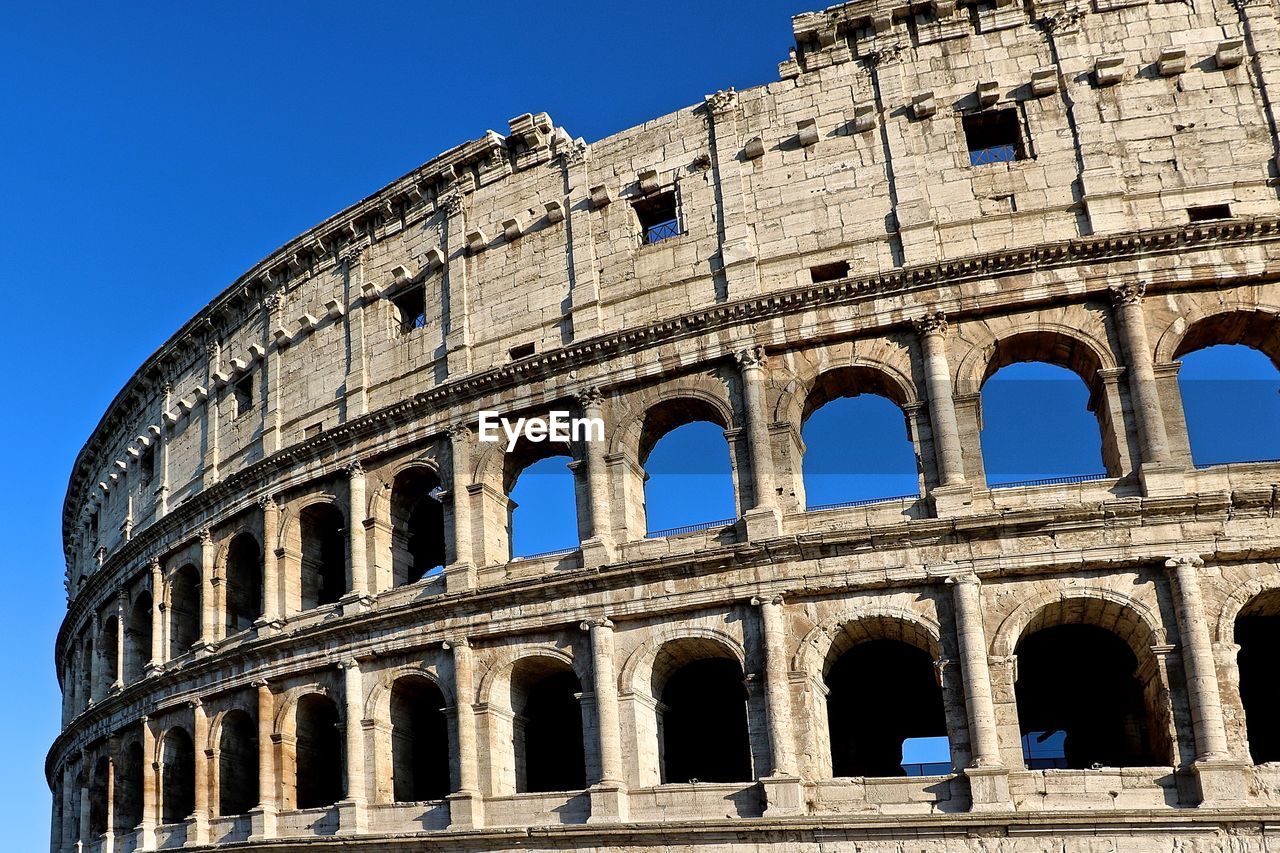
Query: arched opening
[324, 555]
[128, 789]
[1083, 701]
[184, 610]
[109, 645]
[237, 764]
[1257, 632]
[137, 638]
[417, 526]
[543, 498]
[1231, 399]
[419, 741]
[319, 752]
[547, 729]
[688, 465]
[244, 582]
[1042, 421]
[702, 722]
[98, 792]
[177, 776]
[898, 730]
[857, 440]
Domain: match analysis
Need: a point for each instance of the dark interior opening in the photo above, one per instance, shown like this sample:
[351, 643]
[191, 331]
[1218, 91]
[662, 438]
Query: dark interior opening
[704, 727]
[1259, 638]
[178, 773]
[549, 728]
[417, 526]
[319, 752]
[184, 610]
[243, 394]
[324, 561]
[868, 729]
[419, 741]
[128, 791]
[244, 582]
[237, 764]
[1209, 212]
[522, 351]
[1080, 703]
[411, 309]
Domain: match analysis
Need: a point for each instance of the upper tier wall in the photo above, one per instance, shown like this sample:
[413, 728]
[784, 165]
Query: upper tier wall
[1128, 117]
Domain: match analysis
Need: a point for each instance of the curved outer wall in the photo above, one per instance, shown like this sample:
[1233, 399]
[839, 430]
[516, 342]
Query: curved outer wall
[301, 387]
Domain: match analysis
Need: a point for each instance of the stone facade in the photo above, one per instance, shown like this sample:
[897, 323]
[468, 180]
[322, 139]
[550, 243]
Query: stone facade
[930, 192]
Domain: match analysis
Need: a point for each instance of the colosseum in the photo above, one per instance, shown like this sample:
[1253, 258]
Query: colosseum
[294, 618]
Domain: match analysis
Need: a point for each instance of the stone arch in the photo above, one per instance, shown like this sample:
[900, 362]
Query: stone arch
[289, 533]
[287, 704]
[377, 702]
[796, 400]
[637, 670]
[916, 629]
[379, 502]
[629, 435]
[497, 679]
[1144, 624]
[325, 552]
[1233, 321]
[1054, 343]
[233, 740]
[1236, 601]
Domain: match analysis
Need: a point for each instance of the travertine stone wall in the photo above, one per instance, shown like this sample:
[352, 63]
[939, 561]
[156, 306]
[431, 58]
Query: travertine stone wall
[1140, 223]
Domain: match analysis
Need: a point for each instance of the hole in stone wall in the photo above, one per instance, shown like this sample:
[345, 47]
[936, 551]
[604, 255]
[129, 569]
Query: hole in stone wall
[324, 563]
[704, 724]
[244, 582]
[993, 136]
[548, 728]
[242, 393]
[1209, 212]
[178, 776]
[833, 271]
[184, 610]
[147, 464]
[237, 764]
[411, 309]
[1257, 631]
[522, 351]
[128, 789]
[657, 216]
[417, 526]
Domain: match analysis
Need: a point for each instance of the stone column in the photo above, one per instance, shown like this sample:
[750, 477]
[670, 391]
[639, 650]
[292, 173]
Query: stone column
[150, 791]
[988, 777]
[352, 818]
[212, 458]
[198, 828]
[1197, 654]
[93, 678]
[70, 817]
[122, 601]
[208, 604]
[83, 818]
[358, 558]
[157, 617]
[597, 549]
[109, 835]
[356, 383]
[461, 573]
[783, 794]
[763, 520]
[952, 494]
[263, 817]
[737, 249]
[609, 795]
[270, 565]
[466, 806]
[272, 370]
[457, 337]
[1158, 474]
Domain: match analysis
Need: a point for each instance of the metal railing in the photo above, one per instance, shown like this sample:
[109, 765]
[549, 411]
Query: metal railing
[411, 324]
[1052, 481]
[861, 502]
[690, 528]
[996, 154]
[1200, 466]
[557, 552]
[660, 231]
[928, 768]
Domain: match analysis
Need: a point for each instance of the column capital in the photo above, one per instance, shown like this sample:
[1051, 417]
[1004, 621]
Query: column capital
[1128, 292]
[206, 535]
[721, 102]
[601, 622]
[964, 576]
[153, 563]
[354, 468]
[752, 356]
[933, 323]
[348, 665]
[589, 398]
[259, 683]
[1179, 561]
[762, 600]
[450, 201]
[456, 643]
[193, 704]
[459, 432]
[266, 502]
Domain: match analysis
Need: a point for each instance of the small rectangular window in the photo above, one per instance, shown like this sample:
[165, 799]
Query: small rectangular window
[93, 529]
[313, 430]
[658, 218]
[411, 310]
[993, 137]
[829, 272]
[1209, 212]
[147, 464]
[522, 351]
[243, 395]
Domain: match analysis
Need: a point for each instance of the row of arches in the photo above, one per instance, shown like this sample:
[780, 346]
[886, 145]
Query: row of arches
[1087, 690]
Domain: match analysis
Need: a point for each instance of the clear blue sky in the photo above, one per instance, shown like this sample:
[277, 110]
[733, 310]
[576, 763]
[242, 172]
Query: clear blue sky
[152, 151]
